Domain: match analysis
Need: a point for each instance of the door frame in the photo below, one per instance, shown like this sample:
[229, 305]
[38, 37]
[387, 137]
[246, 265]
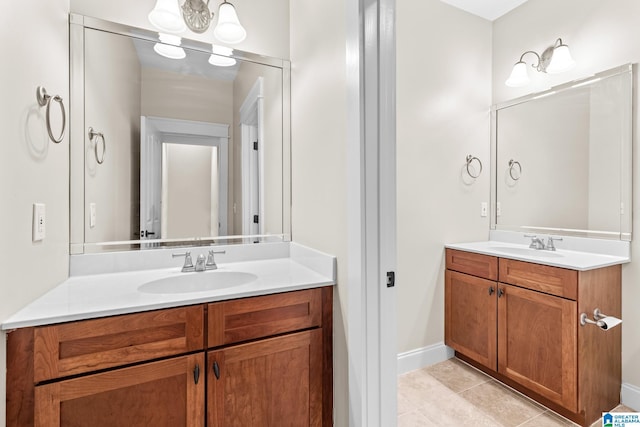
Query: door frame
[178, 131]
[252, 114]
[371, 213]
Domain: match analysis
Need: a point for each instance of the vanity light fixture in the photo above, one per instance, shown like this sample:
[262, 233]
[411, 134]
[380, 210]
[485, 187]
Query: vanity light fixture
[555, 59]
[221, 56]
[228, 29]
[165, 16]
[169, 46]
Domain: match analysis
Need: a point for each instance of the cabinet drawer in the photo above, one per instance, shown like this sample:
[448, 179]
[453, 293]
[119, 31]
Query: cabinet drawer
[90, 345]
[484, 266]
[258, 317]
[551, 280]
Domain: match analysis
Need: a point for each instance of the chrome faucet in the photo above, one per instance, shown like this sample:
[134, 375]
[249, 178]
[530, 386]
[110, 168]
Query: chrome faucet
[188, 262]
[200, 263]
[536, 243]
[211, 262]
[550, 245]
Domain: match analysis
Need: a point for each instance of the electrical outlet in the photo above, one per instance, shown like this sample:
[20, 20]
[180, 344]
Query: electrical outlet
[498, 209]
[483, 209]
[39, 222]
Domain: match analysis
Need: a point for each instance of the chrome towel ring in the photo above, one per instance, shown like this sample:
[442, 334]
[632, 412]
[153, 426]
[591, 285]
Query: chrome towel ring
[513, 164]
[45, 99]
[469, 160]
[95, 137]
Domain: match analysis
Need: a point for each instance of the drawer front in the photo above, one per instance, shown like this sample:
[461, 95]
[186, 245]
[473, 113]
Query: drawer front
[259, 317]
[90, 345]
[484, 266]
[551, 280]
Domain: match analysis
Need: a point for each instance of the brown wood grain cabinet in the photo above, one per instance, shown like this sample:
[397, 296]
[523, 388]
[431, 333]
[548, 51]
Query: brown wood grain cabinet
[264, 360]
[521, 325]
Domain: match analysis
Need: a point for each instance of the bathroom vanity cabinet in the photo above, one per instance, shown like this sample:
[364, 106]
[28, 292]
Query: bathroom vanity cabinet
[519, 322]
[263, 359]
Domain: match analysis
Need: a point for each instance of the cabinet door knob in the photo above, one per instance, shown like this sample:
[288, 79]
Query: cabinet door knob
[216, 370]
[491, 290]
[500, 292]
[196, 374]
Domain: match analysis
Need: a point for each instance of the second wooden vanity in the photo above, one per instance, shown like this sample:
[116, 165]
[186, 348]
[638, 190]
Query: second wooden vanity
[264, 360]
[519, 322]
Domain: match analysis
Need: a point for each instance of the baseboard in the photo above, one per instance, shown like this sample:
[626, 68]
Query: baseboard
[630, 396]
[421, 357]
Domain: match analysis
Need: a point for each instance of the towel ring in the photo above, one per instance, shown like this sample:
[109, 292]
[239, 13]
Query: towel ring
[512, 165]
[98, 136]
[470, 159]
[45, 99]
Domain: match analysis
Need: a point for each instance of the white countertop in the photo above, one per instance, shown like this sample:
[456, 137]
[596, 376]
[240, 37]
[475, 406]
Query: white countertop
[571, 259]
[98, 295]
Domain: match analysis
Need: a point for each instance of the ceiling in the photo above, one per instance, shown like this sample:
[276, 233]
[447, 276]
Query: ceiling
[487, 9]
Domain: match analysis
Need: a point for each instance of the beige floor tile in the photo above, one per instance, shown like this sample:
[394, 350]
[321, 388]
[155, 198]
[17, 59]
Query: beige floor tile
[405, 403]
[502, 404]
[622, 408]
[548, 419]
[414, 419]
[457, 375]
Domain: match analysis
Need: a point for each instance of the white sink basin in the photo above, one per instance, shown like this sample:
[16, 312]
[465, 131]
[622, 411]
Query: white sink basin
[197, 282]
[527, 252]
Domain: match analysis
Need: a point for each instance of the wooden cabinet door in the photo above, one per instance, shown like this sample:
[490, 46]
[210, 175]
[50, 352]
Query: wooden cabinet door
[168, 393]
[537, 336]
[470, 317]
[272, 382]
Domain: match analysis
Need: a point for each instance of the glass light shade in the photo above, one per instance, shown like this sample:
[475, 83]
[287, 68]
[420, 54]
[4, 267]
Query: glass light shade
[561, 60]
[519, 76]
[169, 48]
[221, 56]
[228, 30]
[166, 17]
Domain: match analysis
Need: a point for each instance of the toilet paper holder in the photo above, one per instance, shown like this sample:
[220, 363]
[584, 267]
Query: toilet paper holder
[601, 320]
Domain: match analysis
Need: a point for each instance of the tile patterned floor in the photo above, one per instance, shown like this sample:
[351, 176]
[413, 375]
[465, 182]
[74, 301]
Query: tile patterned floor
[454, 394]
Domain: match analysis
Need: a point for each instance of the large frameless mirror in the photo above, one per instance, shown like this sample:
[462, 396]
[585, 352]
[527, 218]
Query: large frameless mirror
[175, 142]
[562, 159]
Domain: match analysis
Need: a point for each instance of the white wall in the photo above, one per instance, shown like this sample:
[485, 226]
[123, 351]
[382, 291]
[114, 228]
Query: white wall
[601, 35]
[112, 77]
[319, 129]
[443, 100]
[35, 49]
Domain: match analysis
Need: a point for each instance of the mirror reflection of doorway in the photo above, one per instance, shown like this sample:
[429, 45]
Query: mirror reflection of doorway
[185, 162]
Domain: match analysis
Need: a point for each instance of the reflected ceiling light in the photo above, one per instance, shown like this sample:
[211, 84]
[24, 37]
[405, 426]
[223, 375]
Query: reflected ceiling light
[169, 46]
[221, 56]
[554, 59]
[228, 29]
[165, 16]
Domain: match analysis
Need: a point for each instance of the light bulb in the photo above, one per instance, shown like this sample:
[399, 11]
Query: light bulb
[166, 17]
[228, 30]
[519, 76]
[169, 48]
[561, 60]
[221, 56]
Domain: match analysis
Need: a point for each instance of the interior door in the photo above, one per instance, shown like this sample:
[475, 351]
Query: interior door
[150, 179]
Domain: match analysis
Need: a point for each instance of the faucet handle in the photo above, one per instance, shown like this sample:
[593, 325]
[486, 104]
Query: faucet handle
[188, 262]
[550, 245]
[211, 263]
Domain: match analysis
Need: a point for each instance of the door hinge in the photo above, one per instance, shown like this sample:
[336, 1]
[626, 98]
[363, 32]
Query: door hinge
[255, 145]
[391, 279]
[255, 219]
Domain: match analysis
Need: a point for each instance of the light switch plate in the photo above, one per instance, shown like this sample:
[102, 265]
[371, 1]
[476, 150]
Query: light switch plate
[483, 209]
[92, 215]
[39, 222]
